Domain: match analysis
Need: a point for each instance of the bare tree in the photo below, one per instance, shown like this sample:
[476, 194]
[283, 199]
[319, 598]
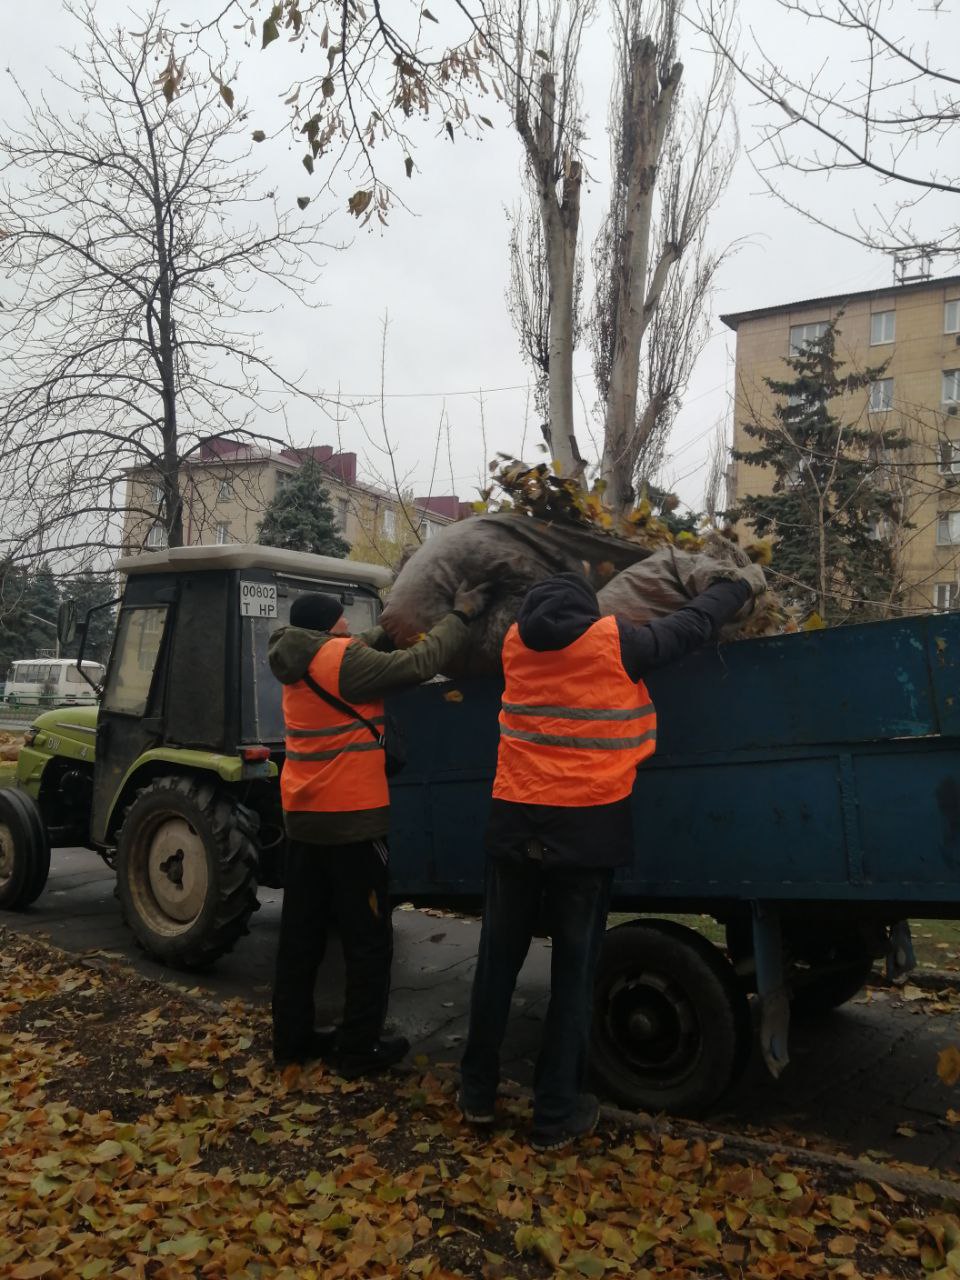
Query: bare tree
[131, 238]
[715, 487]
[528, 295]
[653, 270]
[670, 166]
[546, 105]
[896, 120]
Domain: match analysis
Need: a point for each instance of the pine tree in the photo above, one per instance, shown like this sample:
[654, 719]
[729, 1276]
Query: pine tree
[300, 517]
[832, 505]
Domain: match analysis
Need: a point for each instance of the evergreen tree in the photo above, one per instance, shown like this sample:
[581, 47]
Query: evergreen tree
[300, 517]
[27, 601]
[831, 507]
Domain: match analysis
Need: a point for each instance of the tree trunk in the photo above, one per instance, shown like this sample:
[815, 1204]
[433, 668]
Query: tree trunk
[647, 108]
[560, 218]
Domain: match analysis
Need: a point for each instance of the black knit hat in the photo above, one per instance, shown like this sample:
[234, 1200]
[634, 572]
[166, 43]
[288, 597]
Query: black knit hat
[315, 612]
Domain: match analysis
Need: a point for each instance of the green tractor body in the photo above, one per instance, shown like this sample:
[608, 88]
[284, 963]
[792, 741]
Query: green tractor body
[173, 779]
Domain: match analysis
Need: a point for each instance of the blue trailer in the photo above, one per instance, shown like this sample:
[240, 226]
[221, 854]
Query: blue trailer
[805, 793]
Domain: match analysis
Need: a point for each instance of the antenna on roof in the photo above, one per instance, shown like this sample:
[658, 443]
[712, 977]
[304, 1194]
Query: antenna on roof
[914, 264]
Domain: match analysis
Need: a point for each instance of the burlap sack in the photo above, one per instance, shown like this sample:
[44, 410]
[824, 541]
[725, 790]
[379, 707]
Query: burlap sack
[670, 578]
[511, 551]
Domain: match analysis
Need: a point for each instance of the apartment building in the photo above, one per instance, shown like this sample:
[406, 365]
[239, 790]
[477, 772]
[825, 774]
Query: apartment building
[229, 484]
[914, 329]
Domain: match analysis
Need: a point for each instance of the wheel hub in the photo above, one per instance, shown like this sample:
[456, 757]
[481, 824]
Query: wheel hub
[177, 870]
[654, 1024]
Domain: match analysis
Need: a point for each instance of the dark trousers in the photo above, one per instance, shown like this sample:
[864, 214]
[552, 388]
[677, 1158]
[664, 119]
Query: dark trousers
[570, 905]
[348, 883]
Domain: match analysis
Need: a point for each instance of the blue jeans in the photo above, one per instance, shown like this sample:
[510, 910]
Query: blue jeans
[570, 905]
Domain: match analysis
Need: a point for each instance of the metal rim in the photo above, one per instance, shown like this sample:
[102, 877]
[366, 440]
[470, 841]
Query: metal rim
[169, 877]
[8, 856]
[654, 1027]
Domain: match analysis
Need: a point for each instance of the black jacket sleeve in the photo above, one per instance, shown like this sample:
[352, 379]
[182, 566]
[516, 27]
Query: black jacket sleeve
[665, 640]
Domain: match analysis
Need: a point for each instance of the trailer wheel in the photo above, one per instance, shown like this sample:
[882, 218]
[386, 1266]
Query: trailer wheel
[820, 991]
[823, 974]
[186, 870]
[24, 850]
[671, 1026]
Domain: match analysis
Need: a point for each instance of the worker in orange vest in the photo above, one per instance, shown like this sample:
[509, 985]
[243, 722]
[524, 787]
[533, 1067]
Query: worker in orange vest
[576, 721]
[336, 814]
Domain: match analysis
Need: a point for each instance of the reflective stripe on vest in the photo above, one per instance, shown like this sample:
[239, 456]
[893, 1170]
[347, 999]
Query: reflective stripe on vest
[333, 763]
[573, 725]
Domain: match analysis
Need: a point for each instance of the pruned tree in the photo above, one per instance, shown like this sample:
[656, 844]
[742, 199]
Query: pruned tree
[895, 124]
[528, 296]
[132, 237]
[301, 518]
[547, 112]
[831, 505]
[653, 271]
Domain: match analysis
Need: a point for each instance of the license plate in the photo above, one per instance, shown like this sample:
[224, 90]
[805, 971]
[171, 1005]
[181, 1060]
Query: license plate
[258, 599]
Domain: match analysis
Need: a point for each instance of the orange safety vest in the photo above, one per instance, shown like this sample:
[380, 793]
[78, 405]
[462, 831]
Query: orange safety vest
[573, 725]
[333, 763]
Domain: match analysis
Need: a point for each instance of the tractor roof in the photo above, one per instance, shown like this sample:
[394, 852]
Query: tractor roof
[300, 564]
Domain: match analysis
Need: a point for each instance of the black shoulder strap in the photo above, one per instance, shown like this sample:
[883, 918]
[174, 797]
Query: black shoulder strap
[343, 707]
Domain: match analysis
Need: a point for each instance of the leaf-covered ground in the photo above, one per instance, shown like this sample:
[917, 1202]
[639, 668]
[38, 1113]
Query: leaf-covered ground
[145, 1134]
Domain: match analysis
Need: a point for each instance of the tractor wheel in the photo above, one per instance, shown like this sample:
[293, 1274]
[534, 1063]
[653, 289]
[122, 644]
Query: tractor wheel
[187, 870]
[671, 1024]
[24, 850]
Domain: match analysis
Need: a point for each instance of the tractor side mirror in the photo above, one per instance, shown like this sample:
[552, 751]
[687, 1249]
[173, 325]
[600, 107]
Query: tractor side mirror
[67, 622]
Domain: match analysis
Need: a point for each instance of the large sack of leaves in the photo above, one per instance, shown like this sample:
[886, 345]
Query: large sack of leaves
[511, 551]
[670, 578]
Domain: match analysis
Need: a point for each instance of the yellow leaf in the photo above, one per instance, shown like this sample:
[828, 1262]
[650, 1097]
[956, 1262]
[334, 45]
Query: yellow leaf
[813, 623]
[948, 1065]
[842, 1246]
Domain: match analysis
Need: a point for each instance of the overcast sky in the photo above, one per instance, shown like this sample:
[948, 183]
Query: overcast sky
[439, 271]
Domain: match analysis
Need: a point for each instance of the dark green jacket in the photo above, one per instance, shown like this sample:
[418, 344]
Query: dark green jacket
[366, 673]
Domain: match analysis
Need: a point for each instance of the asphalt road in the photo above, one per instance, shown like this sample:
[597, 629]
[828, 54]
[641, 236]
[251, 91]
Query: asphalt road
[863, 1079]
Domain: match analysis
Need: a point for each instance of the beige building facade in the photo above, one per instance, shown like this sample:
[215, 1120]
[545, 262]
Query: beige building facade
[230, 484]
[914, 330]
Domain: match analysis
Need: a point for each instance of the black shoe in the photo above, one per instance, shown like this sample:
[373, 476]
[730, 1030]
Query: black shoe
[319, 1045]
[381, 1056]
[582, 1122]
[482, 1117]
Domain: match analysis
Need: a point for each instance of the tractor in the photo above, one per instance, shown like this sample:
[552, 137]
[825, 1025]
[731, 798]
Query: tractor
[173, 778]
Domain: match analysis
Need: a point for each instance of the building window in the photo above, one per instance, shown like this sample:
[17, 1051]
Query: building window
[946, 596]
[157, 537]
[343, 510]
[157, 495]
[223, 534]
[882, 327]
[951, 316]
[801, 335]
[881, 395]
[225, 490]
[951, 386]
[949, 458]
[282, 478]
[389, 521]
[948, 529]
